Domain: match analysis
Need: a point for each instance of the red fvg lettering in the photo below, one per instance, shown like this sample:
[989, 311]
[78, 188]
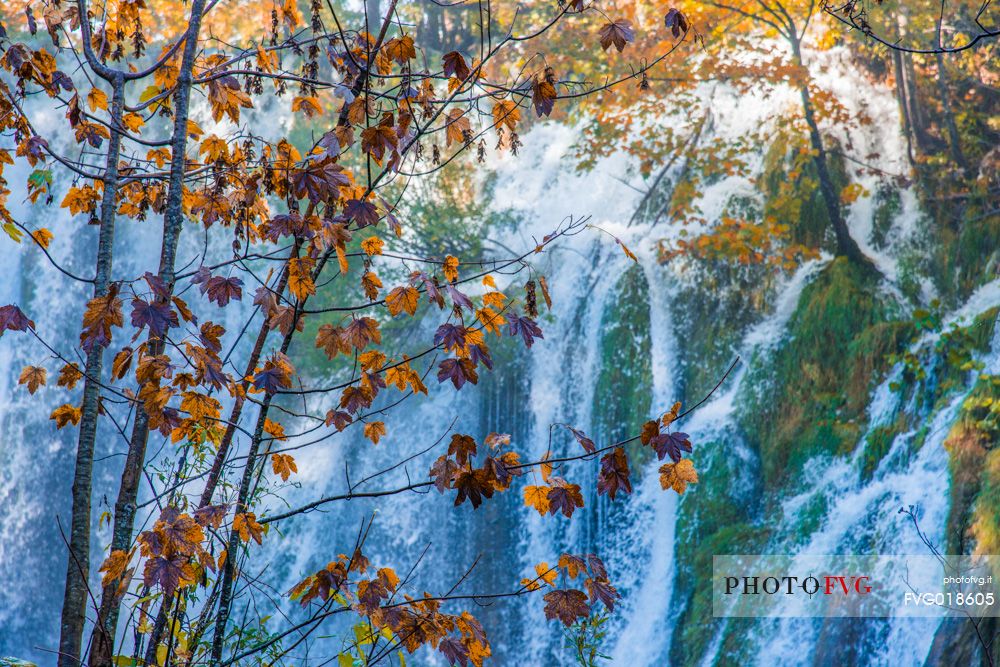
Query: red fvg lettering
[846, 584]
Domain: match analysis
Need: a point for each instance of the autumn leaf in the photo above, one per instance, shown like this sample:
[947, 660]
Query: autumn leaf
[524, 326]
[401, 49]
[473, 485]
[566, 606]
[546, 573]
[275, 430]
[585, 442]
[374, 431]
[33, 377]
[42, 237]
[283, 465]
[402, 298]
[564, 497]
[456, 128]
[114, 566]
[574, 565]
[97, 99]
[537, 497]
[545, 292]
[628, 253]
[459, 371]
[133, 122]
[506, 115]
[671, 416]
[462, 447]
[676, 22]
[13, 318]
[450, 268]
[455, 65]
[300, 282]
[211, 515]
[69, 375]
[678, 475]
[617, 33]
[102, 313]
[443, 473]
[309, 106]
[372, 246]
[214, 149]
[66, 414]
[543, 96]
[371, 284]
[169, 573]
[601, 590]
[246, 526]
[671, 444]
[614, 474]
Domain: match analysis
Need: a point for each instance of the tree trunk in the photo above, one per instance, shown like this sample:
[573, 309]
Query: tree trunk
[78, 569]
[846, 245]
[904, 111]
[954, 140]
[125, 507]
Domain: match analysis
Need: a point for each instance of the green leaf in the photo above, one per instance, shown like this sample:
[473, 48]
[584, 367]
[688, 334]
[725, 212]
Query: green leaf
[13, 232]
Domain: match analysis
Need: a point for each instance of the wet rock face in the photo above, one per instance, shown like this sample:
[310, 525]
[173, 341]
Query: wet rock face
[955, 643]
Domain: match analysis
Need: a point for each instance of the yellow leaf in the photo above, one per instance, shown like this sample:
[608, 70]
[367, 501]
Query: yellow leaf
[133, 122]
[372, 245]
[371, 284]
[628, 253]
[374, 431]
[450, 268]
[546, 573]
[194, 130]
[214, 149]
[274, 429]
[402, 298]
[283, 465]
[545, 292]
[114, 566]
[66, 414]
[42, 237]
[300, 282]
[506, 114]
[97, 99]
[310, 106]
[246, 526]
[678, 475]
[537, 497]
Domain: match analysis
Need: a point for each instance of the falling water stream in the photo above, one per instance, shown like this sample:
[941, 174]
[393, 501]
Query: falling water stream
[564, 378]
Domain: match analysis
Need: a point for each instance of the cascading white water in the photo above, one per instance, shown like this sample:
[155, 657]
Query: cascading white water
[557, 383]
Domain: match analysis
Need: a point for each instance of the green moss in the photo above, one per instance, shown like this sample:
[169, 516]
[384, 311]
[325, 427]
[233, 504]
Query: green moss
[810, 518]
[877, 445]
[696, 626]
[809, 398]
[622, 398]
[715, 517]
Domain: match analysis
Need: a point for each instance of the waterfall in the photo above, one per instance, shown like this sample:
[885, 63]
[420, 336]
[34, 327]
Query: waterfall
[612, 328]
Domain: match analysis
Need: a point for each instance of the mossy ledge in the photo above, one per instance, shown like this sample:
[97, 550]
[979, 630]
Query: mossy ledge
[808, 398]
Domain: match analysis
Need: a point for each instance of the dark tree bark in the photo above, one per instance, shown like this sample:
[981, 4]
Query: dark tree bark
[846, 245]
[125, 507]
[954, 140]
[78, 569]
